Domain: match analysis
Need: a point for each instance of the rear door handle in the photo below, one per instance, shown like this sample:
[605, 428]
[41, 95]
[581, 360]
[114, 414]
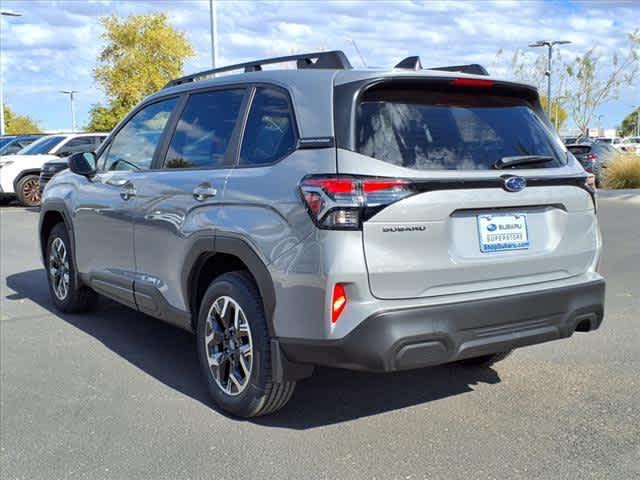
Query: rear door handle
[128, 191]
[204, 191]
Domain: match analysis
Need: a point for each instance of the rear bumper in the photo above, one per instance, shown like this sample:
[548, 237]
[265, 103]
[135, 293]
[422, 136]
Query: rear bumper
[419, 337]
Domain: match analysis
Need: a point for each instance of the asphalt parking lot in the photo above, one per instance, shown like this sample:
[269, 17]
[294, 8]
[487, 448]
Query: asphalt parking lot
[116, 394]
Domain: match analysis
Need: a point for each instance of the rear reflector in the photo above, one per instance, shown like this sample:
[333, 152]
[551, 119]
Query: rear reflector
[471, 82]
[338, 301]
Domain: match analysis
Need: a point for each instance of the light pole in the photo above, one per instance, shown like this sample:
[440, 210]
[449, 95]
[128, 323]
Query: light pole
[5, 14]
[214, 31]
[549, 44]
[71, 94]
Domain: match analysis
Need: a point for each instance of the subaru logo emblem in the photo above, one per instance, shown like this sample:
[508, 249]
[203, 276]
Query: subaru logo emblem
[515, 184]
[492, 227]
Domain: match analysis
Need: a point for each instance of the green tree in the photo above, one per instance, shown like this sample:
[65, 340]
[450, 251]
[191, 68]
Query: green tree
[18, 124]
[594, 80]
[630, 123]
[142, 53]
[556, 111]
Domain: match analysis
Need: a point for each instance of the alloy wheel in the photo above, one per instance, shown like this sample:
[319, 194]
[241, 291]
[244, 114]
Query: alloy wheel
[31, 191]
[59, 268]
[228, 345]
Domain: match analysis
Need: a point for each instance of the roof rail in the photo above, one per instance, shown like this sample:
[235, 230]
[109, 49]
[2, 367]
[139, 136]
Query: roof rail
[473, 68]
[413, 63]
[335, 59]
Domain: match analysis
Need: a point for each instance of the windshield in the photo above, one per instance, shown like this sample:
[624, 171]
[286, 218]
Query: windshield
[5, 140]
[427, 130]
[42, 146]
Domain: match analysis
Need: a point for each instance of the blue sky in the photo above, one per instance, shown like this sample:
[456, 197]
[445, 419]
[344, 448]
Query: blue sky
[54, 45]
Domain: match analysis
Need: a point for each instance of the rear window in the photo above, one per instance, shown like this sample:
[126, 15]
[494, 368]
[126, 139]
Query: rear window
[431, 130]
[579, 149]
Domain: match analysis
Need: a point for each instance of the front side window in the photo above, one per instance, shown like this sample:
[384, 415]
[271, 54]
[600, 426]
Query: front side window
[270, 132]
[431, 130]
[43, 145]
[134, 145]
[204, 131]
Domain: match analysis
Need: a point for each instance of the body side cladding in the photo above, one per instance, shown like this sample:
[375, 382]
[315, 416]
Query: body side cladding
[149, 300]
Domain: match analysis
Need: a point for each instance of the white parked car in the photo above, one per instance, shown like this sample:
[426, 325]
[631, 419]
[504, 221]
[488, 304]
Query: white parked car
[19, 174]
[630, 144]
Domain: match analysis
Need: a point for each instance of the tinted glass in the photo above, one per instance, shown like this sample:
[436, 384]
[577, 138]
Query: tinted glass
[11, 148]
[42, 146]
[204, 130]
[5, 140]
[269, 134]
[579, 149]
[134, 145]
[80, 144]
[427, 130]
[603, 148]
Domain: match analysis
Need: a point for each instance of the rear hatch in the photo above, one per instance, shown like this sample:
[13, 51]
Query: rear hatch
[490, 198]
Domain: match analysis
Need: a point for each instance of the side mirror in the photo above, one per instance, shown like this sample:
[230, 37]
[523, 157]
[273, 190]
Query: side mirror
[83, 163]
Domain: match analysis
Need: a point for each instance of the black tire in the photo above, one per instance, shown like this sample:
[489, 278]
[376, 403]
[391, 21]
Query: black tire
[260, 395]
[78, 298]
[485, 361]
[28, 190]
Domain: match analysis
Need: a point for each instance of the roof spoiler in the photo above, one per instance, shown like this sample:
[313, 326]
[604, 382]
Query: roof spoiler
[414, 63]
[333, 60]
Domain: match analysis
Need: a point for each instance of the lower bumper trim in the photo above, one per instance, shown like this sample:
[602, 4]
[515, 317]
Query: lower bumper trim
[432, 335]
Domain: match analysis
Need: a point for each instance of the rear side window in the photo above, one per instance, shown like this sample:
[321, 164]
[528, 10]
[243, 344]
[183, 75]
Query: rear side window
[79, 144]
[432, 130]
[269, 134]
[204, 131]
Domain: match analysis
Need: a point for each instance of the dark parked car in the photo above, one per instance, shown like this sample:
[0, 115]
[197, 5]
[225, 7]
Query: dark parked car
[593, 157]
[49, 169]
[13, 144]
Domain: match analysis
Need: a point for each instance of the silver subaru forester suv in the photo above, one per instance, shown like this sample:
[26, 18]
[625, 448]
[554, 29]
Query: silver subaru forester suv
[375, 220]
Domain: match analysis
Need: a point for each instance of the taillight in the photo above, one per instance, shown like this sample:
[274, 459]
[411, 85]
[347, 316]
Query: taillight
[344, 202]
[590, 156]
[338, 302]
[471, 82]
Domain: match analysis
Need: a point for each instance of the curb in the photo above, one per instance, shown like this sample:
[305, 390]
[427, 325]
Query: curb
[631, 195]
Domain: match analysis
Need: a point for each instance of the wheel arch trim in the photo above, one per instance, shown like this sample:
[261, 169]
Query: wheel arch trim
[58, 207]
[208, 246]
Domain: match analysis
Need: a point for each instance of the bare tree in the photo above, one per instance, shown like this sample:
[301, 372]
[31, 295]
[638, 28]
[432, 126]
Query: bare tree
[593, 80]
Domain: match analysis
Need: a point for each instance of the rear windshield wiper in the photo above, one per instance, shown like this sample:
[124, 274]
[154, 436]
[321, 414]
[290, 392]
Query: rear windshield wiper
[521, 160]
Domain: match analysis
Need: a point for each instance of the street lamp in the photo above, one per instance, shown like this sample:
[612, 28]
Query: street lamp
[71, 94]
[4, 14]
[214, 31]
[549, 44]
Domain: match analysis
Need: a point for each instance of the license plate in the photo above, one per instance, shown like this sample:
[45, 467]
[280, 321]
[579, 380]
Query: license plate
[503, 232]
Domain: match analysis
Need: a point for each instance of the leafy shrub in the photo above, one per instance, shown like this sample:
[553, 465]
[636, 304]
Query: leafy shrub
[623, 171]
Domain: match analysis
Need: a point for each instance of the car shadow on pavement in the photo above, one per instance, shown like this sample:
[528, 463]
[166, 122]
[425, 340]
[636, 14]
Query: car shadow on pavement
[330, 396]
